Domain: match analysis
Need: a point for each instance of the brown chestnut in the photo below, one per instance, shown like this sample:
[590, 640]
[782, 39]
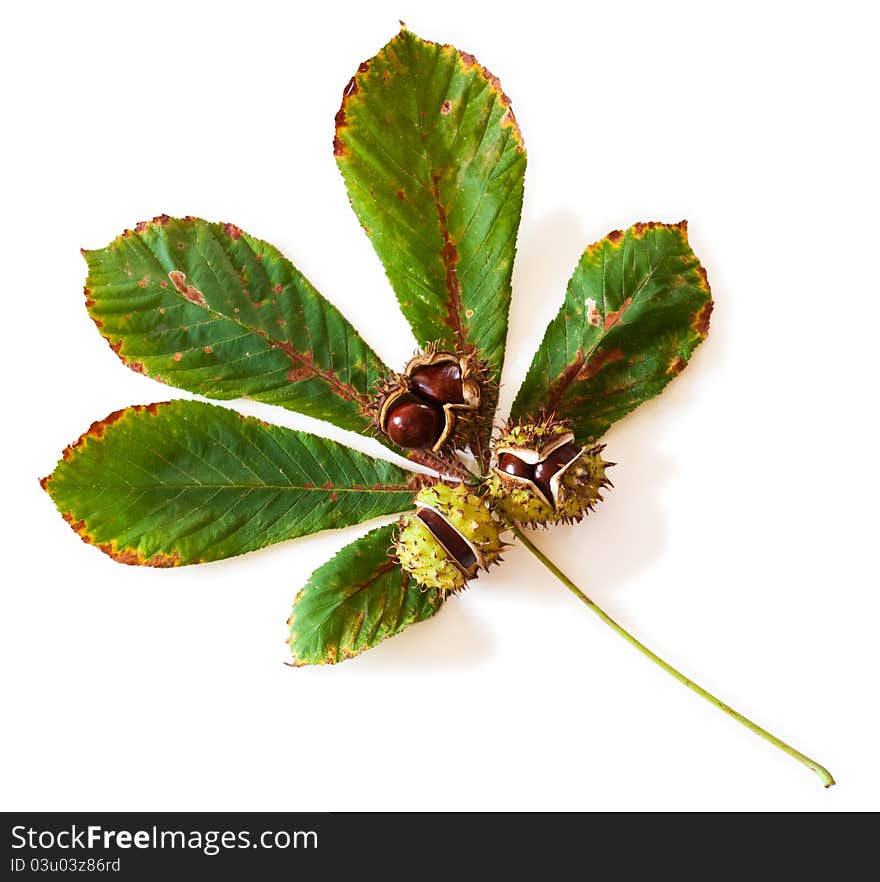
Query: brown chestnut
[414, 424]
[448, 537]
[439, 382]
[513, 465]
[548, 467]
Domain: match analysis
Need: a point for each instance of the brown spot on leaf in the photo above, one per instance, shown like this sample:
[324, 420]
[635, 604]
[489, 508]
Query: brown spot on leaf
[701, 322]
[209, 349]
[297, 374]
[556, 391]
[136, 366]
[468, 59]
[134, 558]
[277, 288]
[445, 107]
[143, 282]
[704, 279]
[177, 356]
[496, 84]
[615, 236]
[309, 485]
[401, 195]
[232, 230]
[339, 149]
[99, 427]
[598, 361]
[191, 293]
[611, 318]
[639, 229]
[364, 66]
[510, 120]
[334, 497]
[327, 485]
[676, 366]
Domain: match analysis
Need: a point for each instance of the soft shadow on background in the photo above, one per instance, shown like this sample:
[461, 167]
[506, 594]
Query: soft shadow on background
[454, 639]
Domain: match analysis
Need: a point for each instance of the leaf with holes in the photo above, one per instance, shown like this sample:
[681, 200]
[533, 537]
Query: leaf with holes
[185, 482]
[208, 308]
[433, 162]
[636, 307]
[354, 601]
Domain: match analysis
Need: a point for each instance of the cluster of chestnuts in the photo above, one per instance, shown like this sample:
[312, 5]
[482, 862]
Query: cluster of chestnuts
[539, 475]
[421, 408]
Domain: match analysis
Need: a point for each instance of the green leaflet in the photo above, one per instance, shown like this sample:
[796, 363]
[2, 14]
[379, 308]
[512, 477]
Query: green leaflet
[208, 308]
[433, 162]
[354, 601]
[185, 482]
[636, 307]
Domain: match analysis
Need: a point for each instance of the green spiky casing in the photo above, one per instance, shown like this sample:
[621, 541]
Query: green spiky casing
[578, 486]
[424, 557]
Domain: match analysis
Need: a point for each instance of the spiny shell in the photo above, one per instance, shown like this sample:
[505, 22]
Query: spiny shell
[576, 487]
[422, 555]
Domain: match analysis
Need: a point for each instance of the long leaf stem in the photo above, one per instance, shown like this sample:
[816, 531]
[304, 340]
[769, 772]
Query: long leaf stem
[821, 771]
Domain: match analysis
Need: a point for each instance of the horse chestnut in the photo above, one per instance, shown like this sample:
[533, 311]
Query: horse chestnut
[542, 476]
[420, 408]
[414, 424]
[440, 382]
[548, 467]
[449, 538]
[513, 465]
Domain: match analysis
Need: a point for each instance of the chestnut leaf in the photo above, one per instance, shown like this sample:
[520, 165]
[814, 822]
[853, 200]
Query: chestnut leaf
[185, 482]
[210, 309]
[636, 307]
[357, 599]
[433, 161]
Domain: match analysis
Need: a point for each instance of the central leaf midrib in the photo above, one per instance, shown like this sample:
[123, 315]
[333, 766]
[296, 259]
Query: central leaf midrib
[451, 281]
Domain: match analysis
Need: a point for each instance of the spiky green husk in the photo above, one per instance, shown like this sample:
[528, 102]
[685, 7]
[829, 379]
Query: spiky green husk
[424, 558]
[419, 552]
[517, 503]
[532, 436]
[580, 484]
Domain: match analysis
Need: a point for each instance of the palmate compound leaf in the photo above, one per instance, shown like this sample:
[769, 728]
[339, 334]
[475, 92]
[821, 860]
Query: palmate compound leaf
[185, 482]
[355, 601]
[433, 162]
[635, 309]
[208, 308]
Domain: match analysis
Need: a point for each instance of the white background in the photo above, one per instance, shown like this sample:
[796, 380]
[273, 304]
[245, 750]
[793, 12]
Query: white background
[740, 541]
